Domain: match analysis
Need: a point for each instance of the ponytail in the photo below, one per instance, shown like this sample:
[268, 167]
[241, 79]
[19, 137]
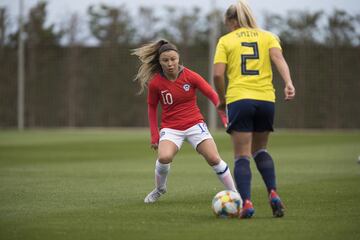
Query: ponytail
[149, 58]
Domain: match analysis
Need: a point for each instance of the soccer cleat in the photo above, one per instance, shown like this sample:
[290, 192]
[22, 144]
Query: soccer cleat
[277, 206]
[154, 195]
[248, 209]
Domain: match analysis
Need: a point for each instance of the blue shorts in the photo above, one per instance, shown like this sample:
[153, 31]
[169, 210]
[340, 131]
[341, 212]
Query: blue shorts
[249, 115]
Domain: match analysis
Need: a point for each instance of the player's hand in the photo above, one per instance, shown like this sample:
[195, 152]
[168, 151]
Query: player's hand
[154, 146]
[223, 117]
[221, 106]
[289, 92]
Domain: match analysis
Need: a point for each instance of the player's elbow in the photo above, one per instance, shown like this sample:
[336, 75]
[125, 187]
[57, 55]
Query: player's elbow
[218, 77]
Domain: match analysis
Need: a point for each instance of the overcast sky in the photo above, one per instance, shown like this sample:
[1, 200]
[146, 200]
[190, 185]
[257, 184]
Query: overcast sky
[58, 9]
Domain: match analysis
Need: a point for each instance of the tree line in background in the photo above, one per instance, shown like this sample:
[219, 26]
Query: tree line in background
[112, 25]
[78, 73]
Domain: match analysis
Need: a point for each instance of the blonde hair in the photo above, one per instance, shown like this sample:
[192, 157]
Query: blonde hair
[241, 12]
[148, 55]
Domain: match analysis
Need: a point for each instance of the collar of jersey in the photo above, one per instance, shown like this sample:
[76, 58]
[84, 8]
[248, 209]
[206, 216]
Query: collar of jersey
[180, 71]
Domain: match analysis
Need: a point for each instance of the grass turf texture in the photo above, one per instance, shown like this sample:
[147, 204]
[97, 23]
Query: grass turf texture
[90, 185]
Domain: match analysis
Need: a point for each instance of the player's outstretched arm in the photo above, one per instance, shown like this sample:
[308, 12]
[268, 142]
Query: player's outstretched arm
[210, 93]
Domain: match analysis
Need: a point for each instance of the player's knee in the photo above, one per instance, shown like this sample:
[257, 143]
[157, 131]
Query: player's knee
[165, 159]
[213, 160]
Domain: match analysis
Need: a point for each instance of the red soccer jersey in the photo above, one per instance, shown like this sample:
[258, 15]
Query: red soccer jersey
[178, 101]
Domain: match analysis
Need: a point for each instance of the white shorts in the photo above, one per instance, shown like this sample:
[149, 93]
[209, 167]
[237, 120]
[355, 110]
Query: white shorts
[194, 135]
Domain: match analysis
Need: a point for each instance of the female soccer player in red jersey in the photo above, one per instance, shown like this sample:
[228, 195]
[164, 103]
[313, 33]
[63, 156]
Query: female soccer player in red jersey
[174, 87]
[245, 54]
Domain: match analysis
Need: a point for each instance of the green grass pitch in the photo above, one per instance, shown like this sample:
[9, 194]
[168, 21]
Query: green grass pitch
[90, 184]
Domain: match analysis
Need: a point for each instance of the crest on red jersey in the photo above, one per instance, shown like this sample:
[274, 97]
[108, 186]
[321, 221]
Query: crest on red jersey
[186, 87]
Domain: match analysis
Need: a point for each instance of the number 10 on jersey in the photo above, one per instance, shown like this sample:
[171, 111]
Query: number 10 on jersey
[166, 97]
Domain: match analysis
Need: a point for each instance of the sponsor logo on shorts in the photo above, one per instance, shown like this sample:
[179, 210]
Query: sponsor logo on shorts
[186, 87]
[162, 133]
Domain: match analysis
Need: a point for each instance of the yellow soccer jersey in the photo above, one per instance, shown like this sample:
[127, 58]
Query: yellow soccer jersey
[246, 54]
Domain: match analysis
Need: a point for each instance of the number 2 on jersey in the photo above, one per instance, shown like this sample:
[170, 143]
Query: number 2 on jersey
[245, 57]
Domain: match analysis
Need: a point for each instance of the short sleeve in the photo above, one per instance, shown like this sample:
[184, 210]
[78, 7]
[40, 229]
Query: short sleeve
[274, 41]
[220, 53]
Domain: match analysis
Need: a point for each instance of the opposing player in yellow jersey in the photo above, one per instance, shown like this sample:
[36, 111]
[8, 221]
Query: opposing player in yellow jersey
[245, 54]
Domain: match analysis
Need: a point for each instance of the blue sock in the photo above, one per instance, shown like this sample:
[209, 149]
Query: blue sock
[265, 165]
[242, 176]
